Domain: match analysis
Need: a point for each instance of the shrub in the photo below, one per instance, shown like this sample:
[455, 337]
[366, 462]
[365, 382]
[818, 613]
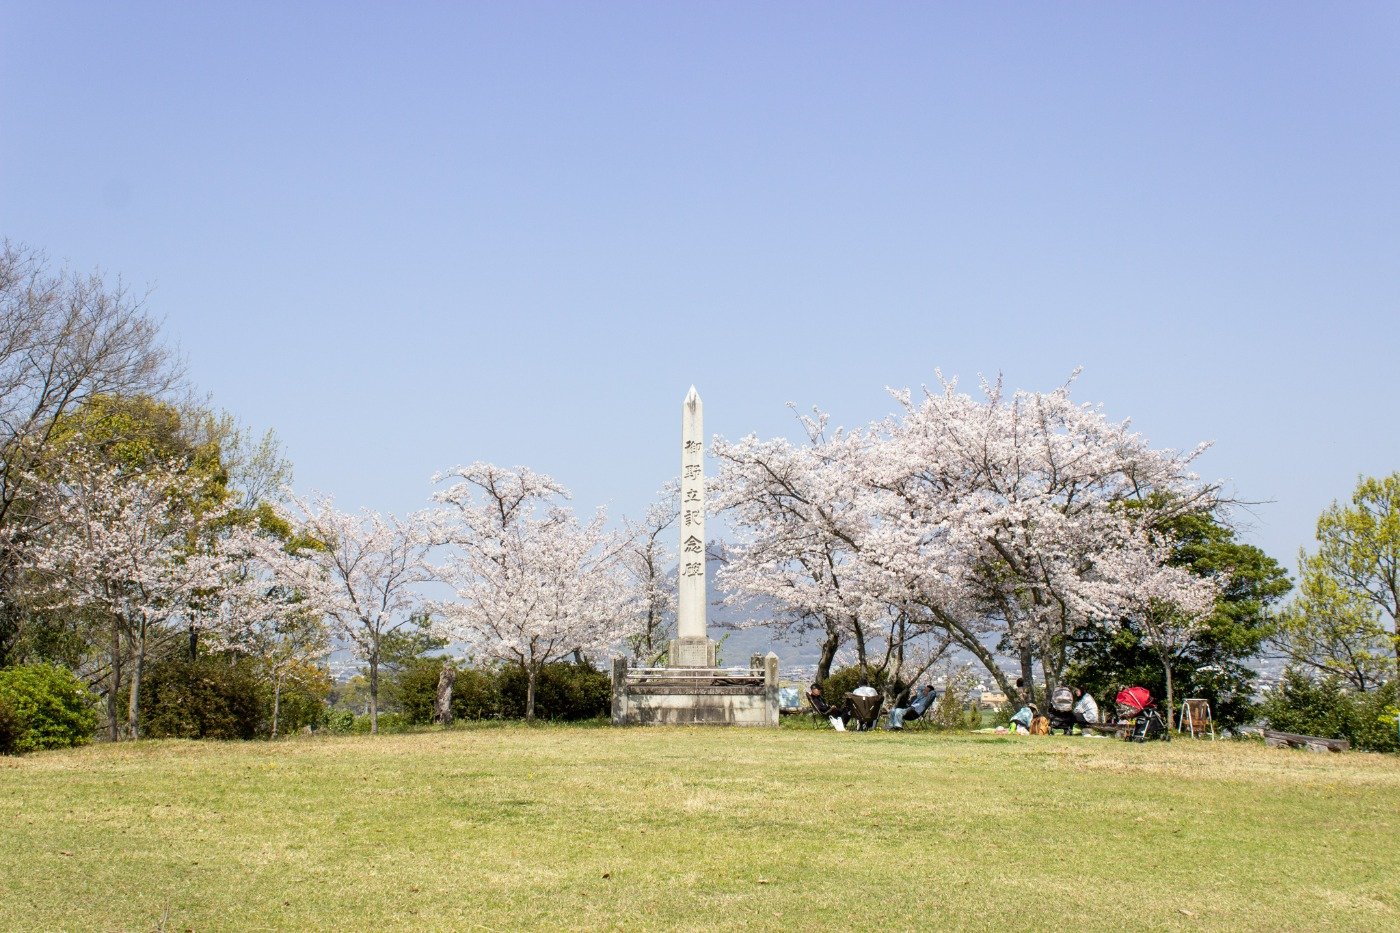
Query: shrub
[565, 691]
[476, 694]
[212, 697]
[476, 691]
[10, 728]
[415, 688]
[846, 679]
[1324, 708]
[950, 712]
[339, 721]
[388, 723]
[1374, 727]
[48, 707]
[303, 704]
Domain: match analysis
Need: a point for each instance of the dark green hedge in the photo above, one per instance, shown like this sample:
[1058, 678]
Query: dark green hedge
[564, 692]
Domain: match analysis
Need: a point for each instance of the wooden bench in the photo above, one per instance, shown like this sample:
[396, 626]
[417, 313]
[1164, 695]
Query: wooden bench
[1275, 739]
[1116, 729]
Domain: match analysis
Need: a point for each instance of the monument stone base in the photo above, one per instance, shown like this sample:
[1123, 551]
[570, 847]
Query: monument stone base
[690, 696]
[692, 651]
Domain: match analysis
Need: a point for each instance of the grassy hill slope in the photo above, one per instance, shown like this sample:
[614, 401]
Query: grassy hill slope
[512, 827]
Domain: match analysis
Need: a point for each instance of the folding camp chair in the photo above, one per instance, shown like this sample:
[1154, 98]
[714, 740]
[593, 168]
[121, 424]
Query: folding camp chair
[865, 710]
[831, 715]
[1195, 718]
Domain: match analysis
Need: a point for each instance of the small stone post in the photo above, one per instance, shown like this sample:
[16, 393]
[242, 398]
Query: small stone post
[770, 687]
[619, 685]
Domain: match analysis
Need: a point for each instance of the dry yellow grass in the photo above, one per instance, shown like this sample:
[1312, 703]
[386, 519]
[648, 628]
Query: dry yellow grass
[585, 828]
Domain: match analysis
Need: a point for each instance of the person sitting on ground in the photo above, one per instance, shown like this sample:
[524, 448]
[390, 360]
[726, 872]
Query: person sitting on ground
[1021, 722]
[1086, 710]
[917, 707]
[837, 715]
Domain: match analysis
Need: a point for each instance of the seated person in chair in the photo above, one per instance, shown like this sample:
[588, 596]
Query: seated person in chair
[918, 705]
[865, 705]
[838, 715]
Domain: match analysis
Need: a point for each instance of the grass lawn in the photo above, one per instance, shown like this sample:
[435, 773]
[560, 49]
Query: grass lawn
[597, 828]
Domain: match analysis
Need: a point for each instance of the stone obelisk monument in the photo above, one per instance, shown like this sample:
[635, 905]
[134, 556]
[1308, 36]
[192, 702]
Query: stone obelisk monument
[692, 646]
[690, 690]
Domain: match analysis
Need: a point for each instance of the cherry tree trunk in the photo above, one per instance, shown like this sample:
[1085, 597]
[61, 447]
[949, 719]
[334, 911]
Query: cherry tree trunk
[442, 707]
[860, 650]
[276, 702]
[133, 709]
[1167, 667]
[828, 655]
[1027, 676]
[531, 675]
[374, 694]
[114, 690]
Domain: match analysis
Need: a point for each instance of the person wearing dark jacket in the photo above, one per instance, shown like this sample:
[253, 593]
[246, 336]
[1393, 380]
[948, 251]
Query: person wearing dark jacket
[838, 714]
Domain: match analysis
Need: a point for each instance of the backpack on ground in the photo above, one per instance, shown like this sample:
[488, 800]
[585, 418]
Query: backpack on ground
[1040, 725]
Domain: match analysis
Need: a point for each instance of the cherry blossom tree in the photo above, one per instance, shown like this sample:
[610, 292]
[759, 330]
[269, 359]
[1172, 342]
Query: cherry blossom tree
[122, 548]
[266, 616]
[363, 577]
[1031, 499]
[1005, 516]
[65, 339]
[1169, 602]
[533, 584]
[802, 518]
[649, 561]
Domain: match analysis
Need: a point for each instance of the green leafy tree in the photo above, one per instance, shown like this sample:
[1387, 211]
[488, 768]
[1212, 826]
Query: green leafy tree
[1346, 614]
[1213, 662]
[1332, 630]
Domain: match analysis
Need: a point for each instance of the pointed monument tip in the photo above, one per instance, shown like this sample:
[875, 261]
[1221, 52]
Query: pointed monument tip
[692, 395]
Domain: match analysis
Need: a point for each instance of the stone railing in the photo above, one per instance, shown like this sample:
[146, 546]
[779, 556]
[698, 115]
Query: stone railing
[689, 695]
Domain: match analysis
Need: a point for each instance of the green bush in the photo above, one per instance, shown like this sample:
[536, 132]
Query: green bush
[303, 703]
[565, 691]
[48, 707]
[955, 709]
[388, 723]
[1374, 728]
[843, 680]
[1324, 708]
[10, 728]
[475, 692]
[339, 722]
[212, 697]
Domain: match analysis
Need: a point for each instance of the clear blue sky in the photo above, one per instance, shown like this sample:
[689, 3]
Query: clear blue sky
[413, 235]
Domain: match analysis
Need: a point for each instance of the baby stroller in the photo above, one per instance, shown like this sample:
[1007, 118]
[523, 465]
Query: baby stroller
[1137, 711]
[1062, 709]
